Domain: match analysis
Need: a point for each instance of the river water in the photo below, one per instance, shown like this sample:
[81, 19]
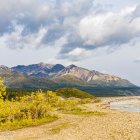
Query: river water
[131, 105]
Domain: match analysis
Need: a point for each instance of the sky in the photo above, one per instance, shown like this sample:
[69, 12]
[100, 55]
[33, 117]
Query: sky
[101, 35]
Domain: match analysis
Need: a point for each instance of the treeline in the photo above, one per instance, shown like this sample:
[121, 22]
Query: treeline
[13, 93]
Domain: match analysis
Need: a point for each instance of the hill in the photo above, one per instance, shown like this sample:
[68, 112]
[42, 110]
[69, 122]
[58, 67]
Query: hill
[73, 92]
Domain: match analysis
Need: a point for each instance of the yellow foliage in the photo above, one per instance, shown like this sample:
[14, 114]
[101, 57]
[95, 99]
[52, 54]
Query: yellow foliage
[2, 88]
[26, 110]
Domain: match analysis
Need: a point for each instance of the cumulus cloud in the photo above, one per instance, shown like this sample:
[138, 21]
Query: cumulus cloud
[30, 13]
[75, 54]
[104, 29]
[75, 26]
[16, 39]
[59, 17]
[109, 28]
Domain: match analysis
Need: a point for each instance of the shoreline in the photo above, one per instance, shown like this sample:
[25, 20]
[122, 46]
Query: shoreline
[117, 99]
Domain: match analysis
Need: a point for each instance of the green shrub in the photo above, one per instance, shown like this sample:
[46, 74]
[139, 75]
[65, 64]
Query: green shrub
[73, 92]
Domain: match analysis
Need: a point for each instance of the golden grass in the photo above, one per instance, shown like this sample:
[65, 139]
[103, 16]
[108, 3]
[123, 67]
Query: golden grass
[18, 124]
[56, 129]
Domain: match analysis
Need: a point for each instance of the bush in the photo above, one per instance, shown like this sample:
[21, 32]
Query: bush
[73, 92]
[52, 98]
[36, 106]
[2, 89]
[67, 104]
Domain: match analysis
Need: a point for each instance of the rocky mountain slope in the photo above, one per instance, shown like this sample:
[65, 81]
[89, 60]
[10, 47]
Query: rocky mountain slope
[39, 70]
[71, 74]
[47, 76]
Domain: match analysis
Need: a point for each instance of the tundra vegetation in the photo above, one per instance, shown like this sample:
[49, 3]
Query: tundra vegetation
[40, 107]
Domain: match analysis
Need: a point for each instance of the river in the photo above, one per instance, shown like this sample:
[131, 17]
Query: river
[130, 105]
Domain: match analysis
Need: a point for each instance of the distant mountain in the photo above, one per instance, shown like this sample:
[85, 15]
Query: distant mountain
[48, 76]
[39, 70]
[16, 79]
[93, 78]
[71, 74]
[2, 67]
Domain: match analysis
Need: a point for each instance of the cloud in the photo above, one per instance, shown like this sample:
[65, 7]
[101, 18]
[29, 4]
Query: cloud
[109, 28]
[75, 26]
[75, 54]
[30, 13]
[34, 14]
[103, 29]
[17, 40]
[59, 17]
[137, 60]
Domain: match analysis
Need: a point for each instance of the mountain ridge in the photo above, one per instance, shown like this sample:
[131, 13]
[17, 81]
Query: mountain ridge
[55, 76]
[59, 74]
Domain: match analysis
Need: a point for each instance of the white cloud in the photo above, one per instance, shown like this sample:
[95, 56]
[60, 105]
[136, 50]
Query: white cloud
[109, 28]
[16, 39]
[76, 54]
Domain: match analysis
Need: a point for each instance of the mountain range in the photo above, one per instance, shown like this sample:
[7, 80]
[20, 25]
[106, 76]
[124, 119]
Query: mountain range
[48, 76]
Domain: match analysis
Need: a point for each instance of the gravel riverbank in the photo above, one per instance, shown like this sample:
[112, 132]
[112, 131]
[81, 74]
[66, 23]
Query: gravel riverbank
[115, 125]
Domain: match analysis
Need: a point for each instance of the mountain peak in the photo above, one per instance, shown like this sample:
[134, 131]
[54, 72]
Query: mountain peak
[3, 67]
[57, 67]
[43, 65]
[53, 76]
[71, 66]
[43, 70]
